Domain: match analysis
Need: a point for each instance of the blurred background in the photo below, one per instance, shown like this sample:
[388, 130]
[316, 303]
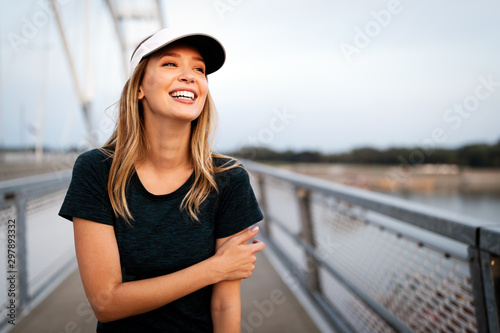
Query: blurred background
[399, 97]
[345, 80]
[386, 83]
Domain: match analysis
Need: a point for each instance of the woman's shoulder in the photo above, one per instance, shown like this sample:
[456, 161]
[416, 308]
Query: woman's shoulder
[223, 160]
[227, 164]
[96, 159]
[230, 168]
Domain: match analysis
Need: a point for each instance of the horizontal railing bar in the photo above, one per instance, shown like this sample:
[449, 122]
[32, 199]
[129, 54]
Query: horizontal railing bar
[458, 227]
[391, 320]
[447, 246]
[34, 184]
[431, 240]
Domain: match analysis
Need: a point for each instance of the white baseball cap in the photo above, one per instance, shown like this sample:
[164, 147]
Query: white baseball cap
[209, 47]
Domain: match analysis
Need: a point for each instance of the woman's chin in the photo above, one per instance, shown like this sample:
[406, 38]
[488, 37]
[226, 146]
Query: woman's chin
[184, 115]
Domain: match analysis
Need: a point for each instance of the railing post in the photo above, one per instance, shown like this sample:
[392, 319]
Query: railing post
[485, 275]
[21, 252]
[490, 265]
[478, 289]
[263, 203]
[312, 264]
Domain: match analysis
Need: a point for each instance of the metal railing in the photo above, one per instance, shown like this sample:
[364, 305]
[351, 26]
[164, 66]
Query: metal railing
[375, 263]
[36, 246]
[372, 263]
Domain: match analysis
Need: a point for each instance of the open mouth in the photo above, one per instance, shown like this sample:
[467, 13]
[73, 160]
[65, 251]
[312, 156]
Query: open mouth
[183, 94]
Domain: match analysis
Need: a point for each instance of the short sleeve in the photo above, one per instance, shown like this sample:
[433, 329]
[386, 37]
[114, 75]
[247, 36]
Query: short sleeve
[87, 196]
[238, 208]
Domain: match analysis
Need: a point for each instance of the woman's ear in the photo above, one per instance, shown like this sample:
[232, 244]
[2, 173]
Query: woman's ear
[140, 94]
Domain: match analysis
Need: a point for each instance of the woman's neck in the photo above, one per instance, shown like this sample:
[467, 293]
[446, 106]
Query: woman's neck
[169, 145]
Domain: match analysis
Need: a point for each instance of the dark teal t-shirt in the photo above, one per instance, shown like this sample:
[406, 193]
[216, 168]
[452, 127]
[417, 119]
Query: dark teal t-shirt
[162, 238]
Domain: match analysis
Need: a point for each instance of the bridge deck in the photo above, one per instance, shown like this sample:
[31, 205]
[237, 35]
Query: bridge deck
[67, 310]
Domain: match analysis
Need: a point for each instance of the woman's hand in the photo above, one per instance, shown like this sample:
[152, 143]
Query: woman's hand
[234, 260]
[111, 299]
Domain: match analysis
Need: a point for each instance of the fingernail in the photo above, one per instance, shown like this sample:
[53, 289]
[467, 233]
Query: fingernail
[254, 229]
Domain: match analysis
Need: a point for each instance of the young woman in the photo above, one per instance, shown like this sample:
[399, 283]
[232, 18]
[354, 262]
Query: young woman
[160, 221]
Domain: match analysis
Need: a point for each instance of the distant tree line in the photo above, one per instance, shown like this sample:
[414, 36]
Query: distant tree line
[474, 155]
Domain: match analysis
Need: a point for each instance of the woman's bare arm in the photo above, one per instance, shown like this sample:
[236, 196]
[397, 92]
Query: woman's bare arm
[111, 299]
[226, 301]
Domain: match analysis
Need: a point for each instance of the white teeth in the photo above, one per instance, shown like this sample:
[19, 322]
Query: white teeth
[182, 94]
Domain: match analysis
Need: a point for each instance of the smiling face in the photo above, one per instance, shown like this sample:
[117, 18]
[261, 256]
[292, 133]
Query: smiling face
[174, 84]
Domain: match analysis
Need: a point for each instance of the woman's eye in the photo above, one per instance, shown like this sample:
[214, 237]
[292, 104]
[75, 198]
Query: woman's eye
[201, 70]
[169, 64]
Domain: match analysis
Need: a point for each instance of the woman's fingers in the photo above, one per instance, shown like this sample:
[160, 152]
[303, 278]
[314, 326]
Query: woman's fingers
[257, 245]
[247, 235]
[239, 256]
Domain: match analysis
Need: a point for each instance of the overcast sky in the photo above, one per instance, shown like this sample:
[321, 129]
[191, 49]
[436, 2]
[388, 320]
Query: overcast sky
[324, 75]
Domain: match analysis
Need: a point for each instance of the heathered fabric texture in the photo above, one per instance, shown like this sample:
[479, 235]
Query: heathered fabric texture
[162, 239]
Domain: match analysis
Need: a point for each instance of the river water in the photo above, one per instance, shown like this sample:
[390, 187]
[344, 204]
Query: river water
[478, 205]
[479, 199]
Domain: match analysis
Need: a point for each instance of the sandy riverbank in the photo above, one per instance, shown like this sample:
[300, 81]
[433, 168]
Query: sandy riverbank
[421, 178]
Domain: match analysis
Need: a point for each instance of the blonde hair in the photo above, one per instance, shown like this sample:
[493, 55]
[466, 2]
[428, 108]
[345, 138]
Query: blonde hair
[128, 144]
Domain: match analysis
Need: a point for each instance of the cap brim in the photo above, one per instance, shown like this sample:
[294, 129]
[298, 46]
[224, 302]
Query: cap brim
[210, 49]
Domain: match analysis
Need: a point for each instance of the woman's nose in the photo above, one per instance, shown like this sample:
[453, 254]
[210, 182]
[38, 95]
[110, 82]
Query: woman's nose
[186, 76]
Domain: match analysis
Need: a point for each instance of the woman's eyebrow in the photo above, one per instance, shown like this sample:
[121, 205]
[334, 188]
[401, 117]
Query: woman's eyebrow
[177, 55]
[171, 54]
[199, 59]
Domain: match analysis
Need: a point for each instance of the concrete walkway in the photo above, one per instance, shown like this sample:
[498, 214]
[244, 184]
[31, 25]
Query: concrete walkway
[267, 306]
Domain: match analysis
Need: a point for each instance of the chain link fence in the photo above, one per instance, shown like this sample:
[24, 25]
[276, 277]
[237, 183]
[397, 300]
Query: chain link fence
[375, 263]
[37, 250]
